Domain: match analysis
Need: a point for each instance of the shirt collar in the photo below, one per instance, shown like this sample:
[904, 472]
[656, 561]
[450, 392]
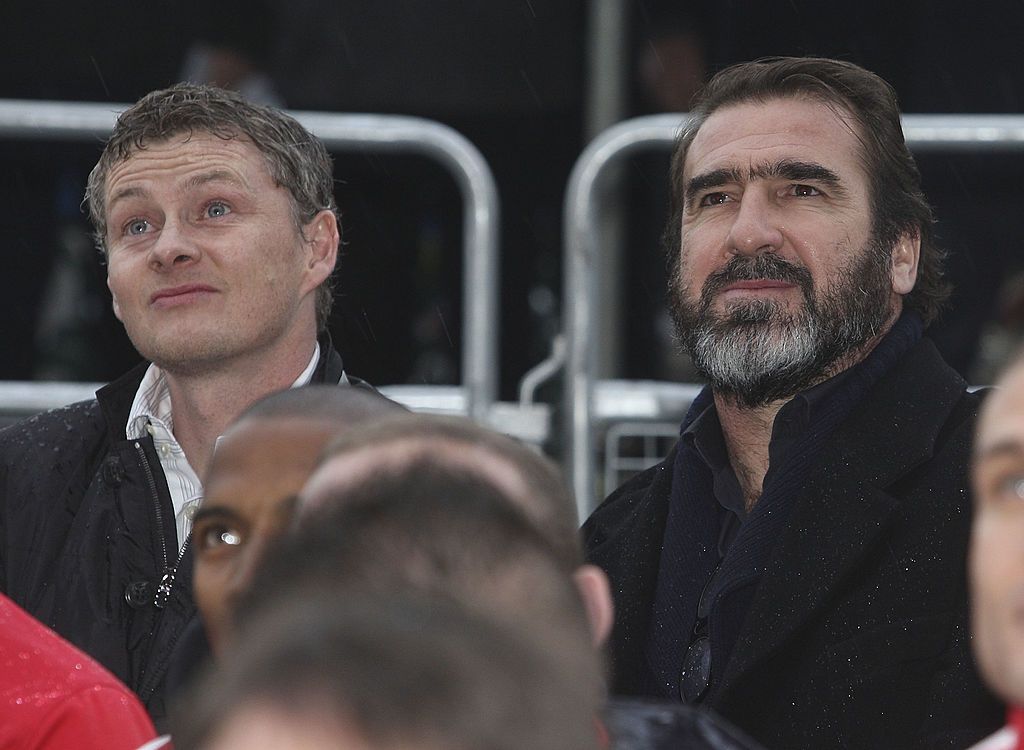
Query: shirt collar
[153, 398]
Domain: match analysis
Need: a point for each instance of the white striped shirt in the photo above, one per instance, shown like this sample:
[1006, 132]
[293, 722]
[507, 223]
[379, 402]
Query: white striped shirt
[151, 413]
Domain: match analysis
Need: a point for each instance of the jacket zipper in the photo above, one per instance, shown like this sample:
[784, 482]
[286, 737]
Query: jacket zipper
[166, 585]
[163, 591]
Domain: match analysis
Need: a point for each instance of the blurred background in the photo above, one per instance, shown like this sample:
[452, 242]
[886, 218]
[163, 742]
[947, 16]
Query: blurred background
[529, 82]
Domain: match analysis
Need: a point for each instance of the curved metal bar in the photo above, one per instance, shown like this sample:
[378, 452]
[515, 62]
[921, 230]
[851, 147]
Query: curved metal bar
[580, 287]
[82, 121]
[960, 133]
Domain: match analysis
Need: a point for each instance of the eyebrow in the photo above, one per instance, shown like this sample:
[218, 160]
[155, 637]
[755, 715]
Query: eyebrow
[1007, 447]
[128, 192]
[214, 175]
[787, 169]
[216, 511]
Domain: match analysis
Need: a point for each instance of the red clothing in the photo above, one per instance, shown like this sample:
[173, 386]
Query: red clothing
[1015, 719]
[52, 696]
[1010, 737]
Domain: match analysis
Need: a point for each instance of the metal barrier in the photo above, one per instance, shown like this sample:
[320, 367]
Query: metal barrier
[587, 399]
[79, 121]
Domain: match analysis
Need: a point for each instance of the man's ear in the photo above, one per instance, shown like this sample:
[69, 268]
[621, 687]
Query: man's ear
[906, 255]
[321, 235]
[596, 593]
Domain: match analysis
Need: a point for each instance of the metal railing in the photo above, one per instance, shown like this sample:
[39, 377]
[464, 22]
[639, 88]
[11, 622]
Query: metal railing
[583, 390]
[80, 121]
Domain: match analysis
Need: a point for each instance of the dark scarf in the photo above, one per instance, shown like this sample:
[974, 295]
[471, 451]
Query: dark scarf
[689, 555]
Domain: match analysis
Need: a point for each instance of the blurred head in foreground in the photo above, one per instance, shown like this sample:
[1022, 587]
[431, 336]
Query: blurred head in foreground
[431, 530]
[400, 449]
[997, 538]
[259, 466]
[402, 674]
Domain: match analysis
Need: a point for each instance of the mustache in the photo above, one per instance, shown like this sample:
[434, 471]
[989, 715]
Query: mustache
[766, 267]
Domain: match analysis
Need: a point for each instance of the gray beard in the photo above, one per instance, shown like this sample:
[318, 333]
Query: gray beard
[757, 352]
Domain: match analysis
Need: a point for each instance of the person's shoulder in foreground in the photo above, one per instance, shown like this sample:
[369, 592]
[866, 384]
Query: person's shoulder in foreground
[52, 696]
[797, 563]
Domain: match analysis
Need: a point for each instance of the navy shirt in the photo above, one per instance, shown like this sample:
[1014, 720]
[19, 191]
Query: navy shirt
[791, 422]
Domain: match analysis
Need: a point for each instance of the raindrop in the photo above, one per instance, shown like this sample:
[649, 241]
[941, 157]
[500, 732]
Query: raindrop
[444, 325]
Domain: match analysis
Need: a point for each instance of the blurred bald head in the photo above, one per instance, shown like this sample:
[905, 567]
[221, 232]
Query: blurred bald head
[529, 480]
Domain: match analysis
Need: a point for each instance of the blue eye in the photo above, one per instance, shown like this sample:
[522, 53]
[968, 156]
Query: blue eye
[136, 227]
[217, 209]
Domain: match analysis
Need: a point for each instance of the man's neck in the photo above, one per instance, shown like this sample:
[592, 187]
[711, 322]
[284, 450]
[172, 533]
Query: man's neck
[204, 403]
[748, 430]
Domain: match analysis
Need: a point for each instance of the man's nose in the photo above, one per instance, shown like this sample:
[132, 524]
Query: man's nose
[248, 563]
[756, 228]
[174, 245]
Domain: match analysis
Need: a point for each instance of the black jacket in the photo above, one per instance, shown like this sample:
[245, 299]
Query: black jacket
[633, 724]
[857, 634]
[87, 533]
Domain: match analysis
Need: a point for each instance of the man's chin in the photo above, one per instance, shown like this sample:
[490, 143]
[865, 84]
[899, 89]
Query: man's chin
[186, 355]
[767, 331]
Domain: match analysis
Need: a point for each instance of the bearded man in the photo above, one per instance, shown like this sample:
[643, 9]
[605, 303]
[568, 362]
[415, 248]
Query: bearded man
[797, 561]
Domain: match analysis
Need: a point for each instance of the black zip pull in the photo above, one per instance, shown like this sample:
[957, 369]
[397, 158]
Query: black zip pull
[166, 585]
[163, 590]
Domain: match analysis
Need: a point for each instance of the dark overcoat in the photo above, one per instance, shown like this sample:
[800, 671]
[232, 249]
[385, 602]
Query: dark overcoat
[857, 635]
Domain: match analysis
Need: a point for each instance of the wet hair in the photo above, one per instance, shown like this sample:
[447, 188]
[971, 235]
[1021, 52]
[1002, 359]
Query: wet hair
[898, 204]
[399, 673]
[296, 160]
[546, 499]
[430, 530]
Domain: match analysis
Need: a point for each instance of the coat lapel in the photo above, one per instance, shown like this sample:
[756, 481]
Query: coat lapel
[629, 552]
[842, 511]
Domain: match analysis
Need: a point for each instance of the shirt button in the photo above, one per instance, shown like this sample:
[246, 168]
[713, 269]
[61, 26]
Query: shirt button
[191, 510]
[165, 450]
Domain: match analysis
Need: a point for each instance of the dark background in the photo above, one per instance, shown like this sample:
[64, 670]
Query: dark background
[511, 76]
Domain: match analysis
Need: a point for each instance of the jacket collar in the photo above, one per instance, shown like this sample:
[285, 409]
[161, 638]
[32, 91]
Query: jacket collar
[822, 539]
[842, 509]
[630, 554]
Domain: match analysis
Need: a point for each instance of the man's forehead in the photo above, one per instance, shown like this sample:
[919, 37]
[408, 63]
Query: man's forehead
[161, 151]
[1001, 426]
[265, 446]
[279, 432]
[741, 134]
